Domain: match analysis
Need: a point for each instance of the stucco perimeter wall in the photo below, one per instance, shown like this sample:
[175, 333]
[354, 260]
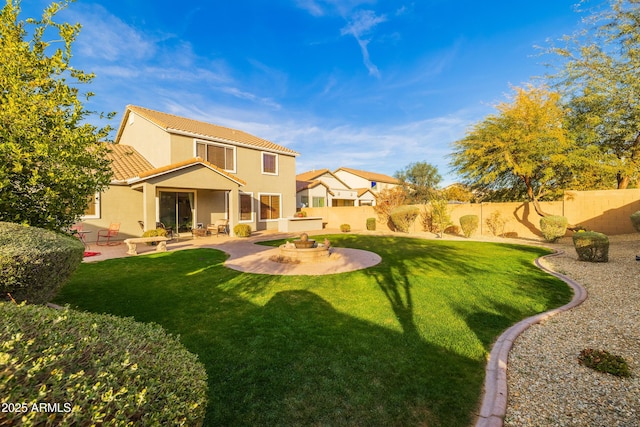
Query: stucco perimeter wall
[605, 211]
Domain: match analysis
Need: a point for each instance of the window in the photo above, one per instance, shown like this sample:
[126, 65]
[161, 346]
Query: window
[269, 207]
[304, 201]
[318, 202]
[93, 207]
[246, 207]
[219, 155]
[269, 163]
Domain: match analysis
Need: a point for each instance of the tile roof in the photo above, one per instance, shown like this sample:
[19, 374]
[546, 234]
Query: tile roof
[176, 124]
[126, 162]
[305, 185]
[311, 175]
[186, 163]
[361, 191]
[370, 176]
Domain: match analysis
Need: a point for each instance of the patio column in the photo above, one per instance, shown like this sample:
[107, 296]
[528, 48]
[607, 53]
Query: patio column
[149, 206]
[234, 208]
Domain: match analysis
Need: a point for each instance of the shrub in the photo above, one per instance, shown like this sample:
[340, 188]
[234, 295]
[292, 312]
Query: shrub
[101, 370]
[242, 230]
[453, 230]
[469, 224]
[553, 227]
[495, 223]
[426, 219]
[34, 262]
[155, 233]
[591, 246]
[440, 217]
[635, 220]
[603, 361]
[387, 200]
[345, 228]
[403, 217]
[371, 224]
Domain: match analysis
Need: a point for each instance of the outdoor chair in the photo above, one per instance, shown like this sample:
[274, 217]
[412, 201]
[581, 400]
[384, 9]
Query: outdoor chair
[108, 234]
[220, 226]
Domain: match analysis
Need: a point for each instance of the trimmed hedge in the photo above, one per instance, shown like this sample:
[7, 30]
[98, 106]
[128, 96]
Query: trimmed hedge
[34, 262]
[635, 220]
[99, 369]
[591, 246]
[345, 228]
[242, 230]
[469, 224]
[371, 224]
[553, 227]
[403, 217]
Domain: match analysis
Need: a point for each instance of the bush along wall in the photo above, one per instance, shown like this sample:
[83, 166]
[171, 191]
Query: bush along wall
[591, 246]
[95, 369]
[403, 217]
[469, 224]
[34, 262]
[635, 220]
[553, 227]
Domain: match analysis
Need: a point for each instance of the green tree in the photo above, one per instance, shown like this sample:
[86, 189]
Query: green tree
[525, 146]
[599, 75]
[419, 180]
[51, 161]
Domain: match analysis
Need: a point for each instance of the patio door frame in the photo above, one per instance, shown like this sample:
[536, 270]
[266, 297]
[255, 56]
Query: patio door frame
[176, 191]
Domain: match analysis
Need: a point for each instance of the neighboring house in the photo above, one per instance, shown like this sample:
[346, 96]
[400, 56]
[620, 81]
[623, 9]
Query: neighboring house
[324, 188]
[185, 173]
[355, 178]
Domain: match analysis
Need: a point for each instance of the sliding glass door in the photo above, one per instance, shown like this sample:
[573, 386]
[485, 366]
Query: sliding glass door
[177, 210]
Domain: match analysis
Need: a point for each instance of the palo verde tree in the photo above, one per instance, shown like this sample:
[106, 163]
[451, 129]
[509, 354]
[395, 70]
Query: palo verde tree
[51, 160]
[599, 75]
[524, 146]
[420, 180]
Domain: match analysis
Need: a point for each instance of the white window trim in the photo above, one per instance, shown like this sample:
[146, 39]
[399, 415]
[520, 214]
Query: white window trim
[260, 208]
[218, 144]
[253, 209]
[97, 197]
[262, 154]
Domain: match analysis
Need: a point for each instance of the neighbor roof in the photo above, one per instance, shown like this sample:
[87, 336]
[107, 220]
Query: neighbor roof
[176, 124]
[370, 176]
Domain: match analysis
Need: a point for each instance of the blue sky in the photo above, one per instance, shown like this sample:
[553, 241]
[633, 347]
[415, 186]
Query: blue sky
[367, 84]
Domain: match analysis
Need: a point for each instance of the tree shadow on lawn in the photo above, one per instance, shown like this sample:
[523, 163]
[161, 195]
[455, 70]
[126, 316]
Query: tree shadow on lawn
[295, 360]
[304, 363]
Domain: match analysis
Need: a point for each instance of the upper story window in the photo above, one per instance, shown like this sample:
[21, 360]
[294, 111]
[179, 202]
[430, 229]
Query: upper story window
[222, 156]
[269, 163]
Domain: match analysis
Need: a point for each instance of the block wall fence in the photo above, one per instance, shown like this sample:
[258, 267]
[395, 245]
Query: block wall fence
[605, 211]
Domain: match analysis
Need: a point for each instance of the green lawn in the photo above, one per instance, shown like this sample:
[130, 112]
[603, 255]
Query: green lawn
[402, 343]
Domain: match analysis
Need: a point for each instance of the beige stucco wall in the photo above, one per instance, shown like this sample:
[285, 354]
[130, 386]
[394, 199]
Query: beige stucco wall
[248, 167]
[148, 139]
[118, 204]
[603, 211]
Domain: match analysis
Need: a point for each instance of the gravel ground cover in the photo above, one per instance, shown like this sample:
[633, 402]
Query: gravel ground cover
[546, 384]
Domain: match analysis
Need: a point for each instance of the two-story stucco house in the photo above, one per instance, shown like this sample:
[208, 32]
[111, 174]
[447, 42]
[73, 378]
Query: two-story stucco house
[355, 178]
[185, 172]
[344, 187]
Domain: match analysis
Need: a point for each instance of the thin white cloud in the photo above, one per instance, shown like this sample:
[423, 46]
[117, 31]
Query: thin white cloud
[361, 24]
[311, 6]
[106, 37]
